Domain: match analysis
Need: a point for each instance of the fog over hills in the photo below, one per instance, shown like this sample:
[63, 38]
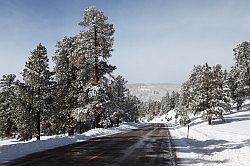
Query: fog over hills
[154, 91]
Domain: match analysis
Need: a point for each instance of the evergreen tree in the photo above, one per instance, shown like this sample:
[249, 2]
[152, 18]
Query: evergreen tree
[131, 107]
[25, 112]
[174, 99]
[8, 97]
[236, 86]
[97, 42]
[242, 64]
[66, 76]
[37, 80]
[194, 89]
[165, 103]
[183, 108]
[118, 97]
[208, 95]
[219, 97]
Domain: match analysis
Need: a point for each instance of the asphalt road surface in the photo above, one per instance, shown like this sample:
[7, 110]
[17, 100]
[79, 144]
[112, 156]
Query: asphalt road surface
[147, 146]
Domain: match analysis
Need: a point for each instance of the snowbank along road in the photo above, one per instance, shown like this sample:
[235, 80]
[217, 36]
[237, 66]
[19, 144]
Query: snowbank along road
[147, 146]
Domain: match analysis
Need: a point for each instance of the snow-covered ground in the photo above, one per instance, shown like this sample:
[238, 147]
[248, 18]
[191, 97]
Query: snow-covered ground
[219, 144]
[12, 149]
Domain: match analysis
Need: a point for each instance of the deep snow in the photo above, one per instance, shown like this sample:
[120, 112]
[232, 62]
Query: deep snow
[12, 149]
[219, 144]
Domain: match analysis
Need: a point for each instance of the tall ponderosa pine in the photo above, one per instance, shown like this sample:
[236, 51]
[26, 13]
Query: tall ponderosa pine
[8, 98]
[97, 41]
[37, 79]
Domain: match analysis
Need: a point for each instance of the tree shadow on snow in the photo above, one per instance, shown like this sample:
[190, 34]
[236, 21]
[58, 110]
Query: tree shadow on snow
[238, 118]
[227, 119]
[204, 148]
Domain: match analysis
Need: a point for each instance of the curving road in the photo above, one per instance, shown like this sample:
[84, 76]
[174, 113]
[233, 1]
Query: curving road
[147, 146]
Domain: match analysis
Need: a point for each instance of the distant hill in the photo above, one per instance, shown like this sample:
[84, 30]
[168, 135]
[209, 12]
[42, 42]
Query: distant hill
[154, 91]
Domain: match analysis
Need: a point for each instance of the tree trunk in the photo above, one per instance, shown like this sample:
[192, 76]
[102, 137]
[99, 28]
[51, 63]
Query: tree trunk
[209, 120]
[97, 79]
[117, 122]
[80, 127]
[97, 120]
[71, 131]
[7, 132]
[38, 124]
[111, 123]
[239, 106]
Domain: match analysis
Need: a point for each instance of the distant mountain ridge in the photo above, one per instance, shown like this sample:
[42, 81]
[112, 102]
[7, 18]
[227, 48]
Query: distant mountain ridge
[152, 91]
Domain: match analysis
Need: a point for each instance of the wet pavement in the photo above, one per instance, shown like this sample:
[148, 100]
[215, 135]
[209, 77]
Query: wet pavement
[147, 146]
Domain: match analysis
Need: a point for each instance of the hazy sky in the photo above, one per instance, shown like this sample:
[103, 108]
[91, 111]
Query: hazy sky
[155, 40]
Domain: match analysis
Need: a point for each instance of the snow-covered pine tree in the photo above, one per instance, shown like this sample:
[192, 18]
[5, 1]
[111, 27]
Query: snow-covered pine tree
[207, 92]
[174, 99]
[66, 76]
[131, 107]
[118, 97]
[37, 80]
[183, 108]
[236, 87]
[97, 41]
[204, 96]
[242, 65]
[165, 103]
[8, 97]
[220, 101]
[194, 89]
[143, 111]
[226, 89]
[25, 112]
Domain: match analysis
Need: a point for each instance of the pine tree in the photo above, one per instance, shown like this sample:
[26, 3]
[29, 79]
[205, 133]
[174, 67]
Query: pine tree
[183, 108]
[131, 107]
[66, 76]
[174, 99]
[118, 97]
[97, 42]
[208, 95]
[236, 86]
[25, 112]
[219, 103]
[8, 97]
[242, 64]
[37, 80]
[194, 89]
[165, 103]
